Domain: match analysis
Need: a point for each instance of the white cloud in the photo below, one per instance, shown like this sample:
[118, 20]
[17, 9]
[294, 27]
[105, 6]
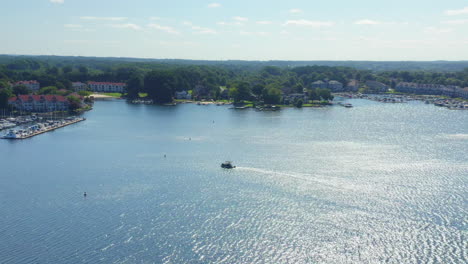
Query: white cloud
[198, 29]
[295, 11]
[72, 26]
[166, 29]
[203, 30]
[223, 23]
[264, 22]
[127, 26]
[436, 30]
[214, 5]
[309, 23]
[103, 18]
[456, 22]
[367, 22]
[250, 33]
[155, 18]
[240, 19]
[57, 1]
[463, 11]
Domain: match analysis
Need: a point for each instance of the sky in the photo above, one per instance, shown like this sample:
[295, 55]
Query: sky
[238, 29]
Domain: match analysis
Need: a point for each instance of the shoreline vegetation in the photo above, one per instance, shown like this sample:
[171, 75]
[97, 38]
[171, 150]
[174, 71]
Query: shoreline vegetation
[242, 84]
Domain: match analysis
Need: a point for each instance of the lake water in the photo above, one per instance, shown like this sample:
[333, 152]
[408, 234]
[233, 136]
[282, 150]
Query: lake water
[377, 183]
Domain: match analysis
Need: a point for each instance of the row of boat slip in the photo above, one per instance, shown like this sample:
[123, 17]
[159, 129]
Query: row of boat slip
[40, 128]
[14, 121]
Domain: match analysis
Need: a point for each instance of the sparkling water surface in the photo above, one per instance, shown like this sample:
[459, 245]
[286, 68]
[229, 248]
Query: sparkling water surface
[376, 183]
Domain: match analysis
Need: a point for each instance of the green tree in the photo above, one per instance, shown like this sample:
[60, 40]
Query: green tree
[243, 92]
[272, 95]
[159, 85]
[299, 103]
[67, 69]
[48, 90]
[83, 69]
[75, 102]
[134, 86]
[21, 89]
[258, 89]
[52, 71]
[5, 94]
[325, 94]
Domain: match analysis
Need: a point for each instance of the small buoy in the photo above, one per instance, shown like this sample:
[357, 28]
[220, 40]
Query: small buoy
[164, 155]
[189, 138]
[84, 194]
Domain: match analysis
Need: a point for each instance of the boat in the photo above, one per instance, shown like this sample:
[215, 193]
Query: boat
[12, 134]
[348, 105]
[227, 165]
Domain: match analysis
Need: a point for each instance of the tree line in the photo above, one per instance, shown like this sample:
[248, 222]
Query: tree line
[161, 79]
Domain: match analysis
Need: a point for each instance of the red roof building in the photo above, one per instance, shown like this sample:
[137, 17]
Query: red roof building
[32, 85]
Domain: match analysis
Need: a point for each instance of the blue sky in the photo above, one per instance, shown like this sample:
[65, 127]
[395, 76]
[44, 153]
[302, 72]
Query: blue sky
[241, 29]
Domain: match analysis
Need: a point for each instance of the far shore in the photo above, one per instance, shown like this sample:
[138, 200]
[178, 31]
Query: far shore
[101, 96]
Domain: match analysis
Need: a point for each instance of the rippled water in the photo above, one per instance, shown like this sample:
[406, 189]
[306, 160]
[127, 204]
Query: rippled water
[377, 183]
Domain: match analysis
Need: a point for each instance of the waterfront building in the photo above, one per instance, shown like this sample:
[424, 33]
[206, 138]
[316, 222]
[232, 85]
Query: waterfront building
[183, 95]
[39, 103]
[375, 86]
[291, 98]
[107, 87]
[319, 84]
[224, 92]
[335, 86]
[79, 86]
[31, 85]
[432, 89]
[462, 93]
[352, 86]
[201, 90]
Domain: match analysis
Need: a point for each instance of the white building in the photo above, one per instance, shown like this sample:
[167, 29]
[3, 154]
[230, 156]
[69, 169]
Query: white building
[32, 85]
[79, 86]
[40, 103]
[107, 87]
[335, 86]
[183, 95]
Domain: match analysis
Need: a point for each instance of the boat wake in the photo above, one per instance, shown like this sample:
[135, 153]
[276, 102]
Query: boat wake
[295, 175]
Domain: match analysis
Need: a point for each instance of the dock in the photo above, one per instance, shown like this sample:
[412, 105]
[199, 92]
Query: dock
[47, 129]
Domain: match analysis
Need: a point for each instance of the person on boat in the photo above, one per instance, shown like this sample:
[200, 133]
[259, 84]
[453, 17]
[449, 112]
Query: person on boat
[85, 194]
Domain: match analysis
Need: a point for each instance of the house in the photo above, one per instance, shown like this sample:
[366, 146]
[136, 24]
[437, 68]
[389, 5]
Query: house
[429, 89]
[462, 93]
[319, 84]
[335, 86]
[375, 86]
[352, 86]
[107, 87]
[39, 103]
[79, 86]
[224, 94]
[291, 98]
[31, 85]
[183, 95]
[201, 90]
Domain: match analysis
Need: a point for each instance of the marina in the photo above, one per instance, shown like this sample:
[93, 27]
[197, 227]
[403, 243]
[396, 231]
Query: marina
[450, 103]
[41, 128]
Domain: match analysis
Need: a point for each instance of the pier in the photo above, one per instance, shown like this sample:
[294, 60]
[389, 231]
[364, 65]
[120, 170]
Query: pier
[31, 133]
